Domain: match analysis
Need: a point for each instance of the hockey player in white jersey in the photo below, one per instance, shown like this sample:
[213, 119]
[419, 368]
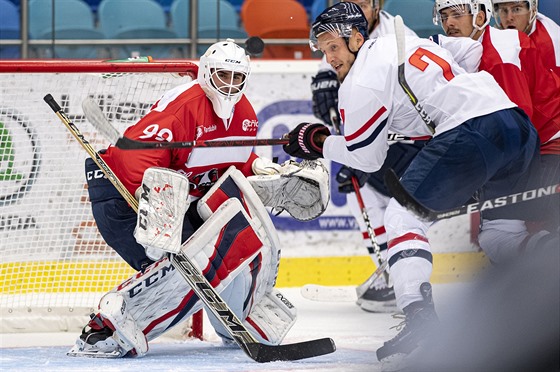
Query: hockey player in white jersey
[379, 297]
[482, 143]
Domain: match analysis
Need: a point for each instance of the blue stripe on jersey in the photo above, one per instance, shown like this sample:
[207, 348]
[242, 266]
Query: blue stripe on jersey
[370, 139]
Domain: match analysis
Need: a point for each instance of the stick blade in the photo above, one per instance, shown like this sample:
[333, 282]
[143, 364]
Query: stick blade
[302, 350]
[96, 117]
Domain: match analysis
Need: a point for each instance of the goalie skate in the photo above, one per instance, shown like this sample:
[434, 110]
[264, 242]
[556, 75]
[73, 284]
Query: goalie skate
[105, 348]
[96, 342]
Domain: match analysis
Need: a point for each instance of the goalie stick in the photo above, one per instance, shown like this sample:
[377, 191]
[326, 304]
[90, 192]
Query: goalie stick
[426, 214]
[401, 55]
[206, 293]
[99, 121]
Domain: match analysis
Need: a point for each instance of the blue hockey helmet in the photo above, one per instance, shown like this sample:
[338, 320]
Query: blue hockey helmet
[339, 20]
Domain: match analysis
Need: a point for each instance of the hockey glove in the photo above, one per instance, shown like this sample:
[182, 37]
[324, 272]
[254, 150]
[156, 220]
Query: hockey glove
[344, 179]
[301, 141]
[324, 87]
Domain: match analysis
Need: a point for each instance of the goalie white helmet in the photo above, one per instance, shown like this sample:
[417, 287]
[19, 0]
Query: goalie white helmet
[222, 74]
[464, 7]
[527, 7]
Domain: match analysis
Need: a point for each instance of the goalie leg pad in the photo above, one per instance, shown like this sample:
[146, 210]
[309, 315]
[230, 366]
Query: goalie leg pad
[163, 201]
[271, 318]
[233, 184]
[300, 189]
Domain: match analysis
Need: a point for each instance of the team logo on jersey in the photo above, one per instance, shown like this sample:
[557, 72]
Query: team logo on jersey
[204, 181]
[250, 125]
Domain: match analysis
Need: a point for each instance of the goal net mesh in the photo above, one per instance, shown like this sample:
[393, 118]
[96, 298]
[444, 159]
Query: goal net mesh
[55, 266]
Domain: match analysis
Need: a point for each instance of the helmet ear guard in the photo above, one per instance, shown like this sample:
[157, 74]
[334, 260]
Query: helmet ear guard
[224, 59]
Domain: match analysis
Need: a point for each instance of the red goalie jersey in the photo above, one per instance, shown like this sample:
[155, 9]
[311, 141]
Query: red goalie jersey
[186, 114]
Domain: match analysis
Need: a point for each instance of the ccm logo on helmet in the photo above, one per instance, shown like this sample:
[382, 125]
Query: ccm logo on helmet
[232, 60]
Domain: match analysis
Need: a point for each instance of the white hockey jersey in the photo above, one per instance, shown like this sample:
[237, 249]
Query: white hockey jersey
[371, 101]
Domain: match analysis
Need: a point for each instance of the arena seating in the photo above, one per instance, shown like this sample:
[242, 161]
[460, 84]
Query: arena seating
[9, 29]
[73, 19]
[137, 19]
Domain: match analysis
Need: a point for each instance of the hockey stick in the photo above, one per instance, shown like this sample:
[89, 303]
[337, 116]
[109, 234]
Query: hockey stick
[99, 121]
[401, 55]
[362, 288]
[426, 214]
[200, 285]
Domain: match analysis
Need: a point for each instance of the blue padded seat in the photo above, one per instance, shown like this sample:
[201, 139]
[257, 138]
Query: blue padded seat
[73, 19]
[416, 14]
[135, 19]
[9, 29]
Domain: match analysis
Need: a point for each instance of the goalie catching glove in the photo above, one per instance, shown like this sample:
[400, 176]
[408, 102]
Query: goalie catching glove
[300, 189]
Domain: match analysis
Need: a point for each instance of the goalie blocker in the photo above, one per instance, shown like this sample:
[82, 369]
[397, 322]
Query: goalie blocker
[237, 250]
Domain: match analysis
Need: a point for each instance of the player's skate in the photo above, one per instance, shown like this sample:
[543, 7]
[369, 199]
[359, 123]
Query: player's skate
[379, 298]
[420, 317]
[112, 333]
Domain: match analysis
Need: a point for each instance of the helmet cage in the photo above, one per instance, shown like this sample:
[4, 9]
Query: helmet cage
[462, 8]
[224, 57]
[533, 6]
[343, 30]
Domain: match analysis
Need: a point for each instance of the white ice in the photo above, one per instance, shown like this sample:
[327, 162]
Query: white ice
[356, 333]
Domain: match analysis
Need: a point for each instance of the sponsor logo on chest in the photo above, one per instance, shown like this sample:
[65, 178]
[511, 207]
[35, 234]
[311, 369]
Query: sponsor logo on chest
[201, 130]
[250, 125]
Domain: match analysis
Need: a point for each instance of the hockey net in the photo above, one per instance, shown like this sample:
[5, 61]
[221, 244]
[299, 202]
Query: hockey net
[55, 266]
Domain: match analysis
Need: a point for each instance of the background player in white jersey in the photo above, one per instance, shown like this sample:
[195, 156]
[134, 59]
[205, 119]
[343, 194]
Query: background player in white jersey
[201, 195]
[516, 64]
[523, 15]
[379, 297]
[482, 141]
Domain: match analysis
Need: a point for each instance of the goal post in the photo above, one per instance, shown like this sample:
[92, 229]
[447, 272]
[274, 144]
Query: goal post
[55, 265]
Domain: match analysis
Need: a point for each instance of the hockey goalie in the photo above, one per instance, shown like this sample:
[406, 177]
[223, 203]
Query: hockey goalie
[208, 203]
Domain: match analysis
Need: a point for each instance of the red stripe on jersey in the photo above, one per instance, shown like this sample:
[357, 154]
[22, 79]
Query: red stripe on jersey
[377, 231]
[367, 125]
[404, 238]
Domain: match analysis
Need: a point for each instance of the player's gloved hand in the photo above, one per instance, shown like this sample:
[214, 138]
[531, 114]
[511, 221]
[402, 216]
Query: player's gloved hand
[324, 87]
[304, 142]
[344, 179]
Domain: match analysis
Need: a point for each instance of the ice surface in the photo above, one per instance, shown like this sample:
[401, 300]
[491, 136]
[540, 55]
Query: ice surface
[356, 333]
